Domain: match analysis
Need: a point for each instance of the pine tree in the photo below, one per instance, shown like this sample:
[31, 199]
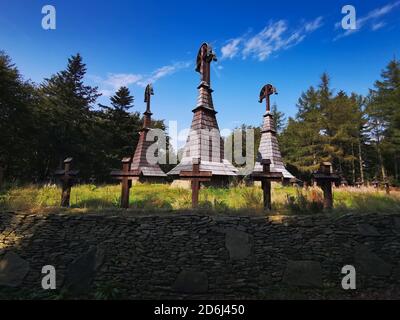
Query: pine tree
[384, 119]
[67, 107]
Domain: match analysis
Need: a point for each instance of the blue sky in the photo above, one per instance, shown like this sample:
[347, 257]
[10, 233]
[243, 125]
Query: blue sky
[286, 43]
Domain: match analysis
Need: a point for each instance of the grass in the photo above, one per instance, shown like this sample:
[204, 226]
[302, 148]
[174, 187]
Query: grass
[154, 197]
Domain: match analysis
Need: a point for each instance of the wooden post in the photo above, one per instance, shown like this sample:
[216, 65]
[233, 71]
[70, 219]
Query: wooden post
[125, 176]
[196, 176]
[67, 177]
[375, 184]
[324, 178]
[1, 174]
[126, 183]
[266, 176]
[387, 187]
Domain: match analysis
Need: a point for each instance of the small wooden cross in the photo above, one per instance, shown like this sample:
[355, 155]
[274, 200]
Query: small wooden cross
[387, 186]
[375, 184]
[67, 177]
[266, 176]
[125, 176]
[324, 178]
[196, 176]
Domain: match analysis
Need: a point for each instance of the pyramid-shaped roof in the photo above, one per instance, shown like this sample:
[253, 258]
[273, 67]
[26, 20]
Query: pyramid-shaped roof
[204, 141]
[269, 146]
[140, 161]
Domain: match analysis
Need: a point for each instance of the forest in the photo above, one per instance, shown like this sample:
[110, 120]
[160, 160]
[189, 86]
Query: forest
[41, 124]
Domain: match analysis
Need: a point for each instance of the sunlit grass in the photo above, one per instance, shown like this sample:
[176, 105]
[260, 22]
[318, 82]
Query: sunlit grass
[153, 197]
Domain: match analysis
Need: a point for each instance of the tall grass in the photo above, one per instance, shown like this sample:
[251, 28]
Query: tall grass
[150, 197]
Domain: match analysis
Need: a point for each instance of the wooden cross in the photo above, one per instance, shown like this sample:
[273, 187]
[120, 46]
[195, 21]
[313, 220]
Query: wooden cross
[375, 184]
[67, 177]
[266, 176]
[149, 91]
[196, 176]
[324, 178]
[125, 176]
[205, 56]
[387, 186]
[266, 92]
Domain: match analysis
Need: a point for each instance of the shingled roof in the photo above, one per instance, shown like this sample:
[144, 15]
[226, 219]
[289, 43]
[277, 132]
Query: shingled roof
[140, 161]
[269, 148]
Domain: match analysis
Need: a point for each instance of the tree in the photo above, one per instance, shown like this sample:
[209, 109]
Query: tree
[17, 100]
[384, 119]
[66, 106]
[121, 126]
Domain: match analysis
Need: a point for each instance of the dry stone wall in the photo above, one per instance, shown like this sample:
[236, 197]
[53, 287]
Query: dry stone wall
[198, 255]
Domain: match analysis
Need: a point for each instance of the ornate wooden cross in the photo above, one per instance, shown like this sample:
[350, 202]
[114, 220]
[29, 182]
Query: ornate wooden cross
[147, 98]
[196, 176]
[67, 177]
[125, 176]
[324, 178]
[266, 92]
[203, 62]
[266, 176]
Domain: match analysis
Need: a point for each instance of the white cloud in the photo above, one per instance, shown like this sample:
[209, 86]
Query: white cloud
[106, 92]
[314, 25]
[116, 80]
[231, 49]
[378, 25]
[276, 36]
[163, 72]
[122, 79]
[371, 17]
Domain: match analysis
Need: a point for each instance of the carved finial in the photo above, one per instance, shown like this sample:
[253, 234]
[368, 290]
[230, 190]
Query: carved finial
[266, 91]
[204, 58]
[147, 94]
[147, 97]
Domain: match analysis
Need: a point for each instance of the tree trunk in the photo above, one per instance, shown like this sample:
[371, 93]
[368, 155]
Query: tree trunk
[380, 159]
[360, 160]
[353, 168]
[1, 175]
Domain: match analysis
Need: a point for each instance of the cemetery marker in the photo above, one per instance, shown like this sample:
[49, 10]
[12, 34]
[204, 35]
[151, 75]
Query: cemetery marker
[324, 178]
[125, 176]
[67, 177]
[196, 176]
[266, 176]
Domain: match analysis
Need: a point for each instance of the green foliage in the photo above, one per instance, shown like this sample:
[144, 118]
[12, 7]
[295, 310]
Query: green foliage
[163, 198]
[304, 203]
[42, 124]
[107, 291]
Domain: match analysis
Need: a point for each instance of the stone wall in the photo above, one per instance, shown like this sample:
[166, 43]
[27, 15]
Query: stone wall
[200, 256]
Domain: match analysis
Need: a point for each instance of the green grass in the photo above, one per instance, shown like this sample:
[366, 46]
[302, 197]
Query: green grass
[153, 197]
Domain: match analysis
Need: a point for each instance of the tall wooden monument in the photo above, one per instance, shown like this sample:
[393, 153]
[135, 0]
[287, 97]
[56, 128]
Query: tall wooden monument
[269, 147]
[204, 141]
[148, 171]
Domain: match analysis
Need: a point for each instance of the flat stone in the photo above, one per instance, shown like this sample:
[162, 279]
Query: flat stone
[81, 272]
[397, 224]
[238, 244]
[13, 270]
[189, 281]
[366, 229]
[303, 273]
[371, 263]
